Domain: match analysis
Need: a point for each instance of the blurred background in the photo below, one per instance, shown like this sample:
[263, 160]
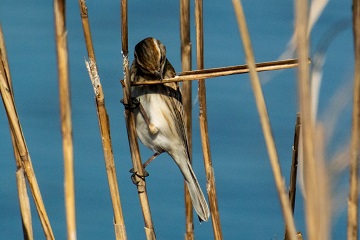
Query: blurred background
[247, 197]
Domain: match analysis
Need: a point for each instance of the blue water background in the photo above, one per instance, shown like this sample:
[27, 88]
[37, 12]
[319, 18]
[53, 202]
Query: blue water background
[247, 197]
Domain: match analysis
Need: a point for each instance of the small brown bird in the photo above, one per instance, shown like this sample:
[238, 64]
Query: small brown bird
[159, 118]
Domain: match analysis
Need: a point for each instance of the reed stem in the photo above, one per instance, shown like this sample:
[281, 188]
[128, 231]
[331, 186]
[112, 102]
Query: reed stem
[264, 120]
[353, 208]
[24, 205]
[211, 187]
[104, 125]
[187, 103]
[20, 175]
[22, 156]
[224, 71]
[130, 126]
[293, 171]
[310, 178]
[65, 116]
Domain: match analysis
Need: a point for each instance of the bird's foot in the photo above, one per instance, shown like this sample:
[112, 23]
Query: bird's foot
[134, 104]
[136, 175]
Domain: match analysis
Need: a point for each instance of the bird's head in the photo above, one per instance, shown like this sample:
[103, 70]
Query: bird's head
[150, 56]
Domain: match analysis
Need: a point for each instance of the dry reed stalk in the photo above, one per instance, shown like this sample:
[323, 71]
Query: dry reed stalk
[224, 71]
[353, 208]
[5, 69]
[187, 103]
[22, 157]
[264, 119]
[65, 116]
[211, 187]
[20, 175]
[25, 161]
[293, 171]
[130, 126]
[294, 163]
[137, 166]
[324, 205]
[25, 209]
[310, 179]
[24, 205]
[104, 125]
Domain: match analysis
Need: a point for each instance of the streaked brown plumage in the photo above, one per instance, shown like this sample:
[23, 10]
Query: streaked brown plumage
[164, 128]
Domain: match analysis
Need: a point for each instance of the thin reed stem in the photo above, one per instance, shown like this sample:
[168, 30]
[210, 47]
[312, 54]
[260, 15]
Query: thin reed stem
[22, 156]
[224, 71]
[138, 169]
[264, 119]
[104, 125]
[65, 116]
[294, 163]
[211, 187]
[130, 126]
[187, 103]
[353, 208]
[293, 171]
[24, 205]
[5, 69]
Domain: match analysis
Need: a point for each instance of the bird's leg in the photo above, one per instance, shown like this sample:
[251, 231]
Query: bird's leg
[146, 174]
[151, 159]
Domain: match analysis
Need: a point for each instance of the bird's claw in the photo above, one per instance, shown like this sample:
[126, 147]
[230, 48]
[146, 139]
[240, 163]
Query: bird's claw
[134, 104]
[136, 174]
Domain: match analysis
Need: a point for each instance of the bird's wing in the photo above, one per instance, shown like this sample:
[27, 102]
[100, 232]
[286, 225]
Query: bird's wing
[175, 98]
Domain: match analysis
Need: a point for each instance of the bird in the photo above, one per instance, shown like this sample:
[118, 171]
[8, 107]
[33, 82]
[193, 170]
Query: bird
[159, 117]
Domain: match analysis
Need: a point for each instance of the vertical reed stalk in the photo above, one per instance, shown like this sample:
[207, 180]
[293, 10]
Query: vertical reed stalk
[65, 116]
[104, 125]
[130, 125]
[22, 156]
[264, 120]
[293, 172]
[187, 103]
[310, 179]
[211, 187]
[353, 208]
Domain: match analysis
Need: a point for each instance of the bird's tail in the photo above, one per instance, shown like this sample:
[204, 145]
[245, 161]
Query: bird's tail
[197, 196]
